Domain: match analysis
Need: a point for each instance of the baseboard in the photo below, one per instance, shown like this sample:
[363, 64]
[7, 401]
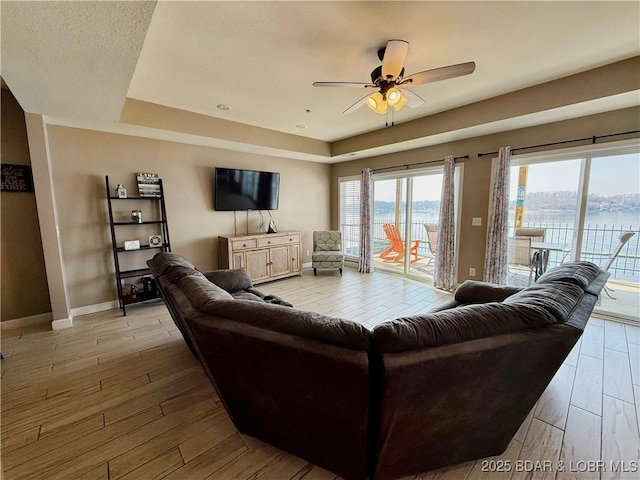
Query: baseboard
[306, 265]
[39, 319]
[62, 323]
[98, 307]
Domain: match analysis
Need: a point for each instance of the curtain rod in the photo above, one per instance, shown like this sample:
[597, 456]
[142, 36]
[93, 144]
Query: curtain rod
[407, 165]
[593, 141]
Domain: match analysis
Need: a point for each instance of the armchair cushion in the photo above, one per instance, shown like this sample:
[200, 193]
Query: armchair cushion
[327, 241]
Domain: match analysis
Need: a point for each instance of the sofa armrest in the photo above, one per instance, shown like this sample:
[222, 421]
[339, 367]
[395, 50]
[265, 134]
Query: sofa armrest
[448, 305]
[230, 280]
[472, 291]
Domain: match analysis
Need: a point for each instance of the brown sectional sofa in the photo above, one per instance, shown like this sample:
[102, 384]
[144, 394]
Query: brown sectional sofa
[411, 395]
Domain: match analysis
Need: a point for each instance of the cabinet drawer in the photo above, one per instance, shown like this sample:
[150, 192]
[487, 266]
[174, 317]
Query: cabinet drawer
[278, 240]
[240, 244]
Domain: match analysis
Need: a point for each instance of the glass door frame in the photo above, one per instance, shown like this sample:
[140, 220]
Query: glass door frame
[409, 175]
[586, 154]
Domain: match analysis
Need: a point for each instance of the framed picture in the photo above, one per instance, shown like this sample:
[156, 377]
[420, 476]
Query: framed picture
[16, 178]
[132, 244]
[148, 184]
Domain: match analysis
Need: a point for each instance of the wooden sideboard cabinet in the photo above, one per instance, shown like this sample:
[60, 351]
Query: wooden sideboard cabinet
[265, 256]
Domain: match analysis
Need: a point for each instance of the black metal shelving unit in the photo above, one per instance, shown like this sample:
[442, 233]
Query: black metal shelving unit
[157, 208]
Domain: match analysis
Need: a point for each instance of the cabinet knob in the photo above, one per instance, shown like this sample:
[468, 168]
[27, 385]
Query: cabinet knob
[244, 244]
[269, 242]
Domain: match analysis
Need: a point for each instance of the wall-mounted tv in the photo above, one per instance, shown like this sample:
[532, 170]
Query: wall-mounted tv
[246, 190]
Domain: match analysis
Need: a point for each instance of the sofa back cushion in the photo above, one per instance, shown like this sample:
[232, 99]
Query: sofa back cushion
[176, 272]
[201, 292]
[458, 325]
[278, 318]
[164, 260]
[579, 273]
[557, 298]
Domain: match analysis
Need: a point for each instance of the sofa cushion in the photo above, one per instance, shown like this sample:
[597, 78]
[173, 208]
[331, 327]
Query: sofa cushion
[579, 273]
[164, 260]
[175, 272]
[458, 325]
[230, 280]
[244, 295]
[201, 292]
[472, 291]
[282, 319]
[557, 297]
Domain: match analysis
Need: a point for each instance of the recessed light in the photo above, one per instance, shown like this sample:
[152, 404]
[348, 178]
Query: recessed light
[222, 106]
[301, 127]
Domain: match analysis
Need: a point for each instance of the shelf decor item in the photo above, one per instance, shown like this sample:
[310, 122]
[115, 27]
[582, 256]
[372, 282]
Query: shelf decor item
[155, 240]
[132, 244]
[148, 184]
[136, 216]
[121, 192]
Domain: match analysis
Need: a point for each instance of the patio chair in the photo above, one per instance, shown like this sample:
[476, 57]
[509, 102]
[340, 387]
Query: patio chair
[536, 234]
[520, 254]
[520, 249]
[622, 240]
[432, 238]
[395, 251]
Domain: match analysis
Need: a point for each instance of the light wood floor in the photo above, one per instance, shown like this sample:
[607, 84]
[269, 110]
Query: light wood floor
[121, 397]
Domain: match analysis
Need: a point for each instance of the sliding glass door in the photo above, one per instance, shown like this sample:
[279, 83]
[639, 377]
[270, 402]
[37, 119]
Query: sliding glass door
[405, 222]
[583, 200]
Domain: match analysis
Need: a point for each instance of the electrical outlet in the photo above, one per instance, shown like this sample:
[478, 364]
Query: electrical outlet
[476, 222]
[307, 253]
[472, 272]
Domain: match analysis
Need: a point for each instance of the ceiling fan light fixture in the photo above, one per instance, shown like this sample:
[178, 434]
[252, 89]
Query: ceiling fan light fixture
[401, 103]
[376, 102]
[394, 96]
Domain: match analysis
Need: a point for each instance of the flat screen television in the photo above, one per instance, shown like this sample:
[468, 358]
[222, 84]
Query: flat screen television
[246, 189]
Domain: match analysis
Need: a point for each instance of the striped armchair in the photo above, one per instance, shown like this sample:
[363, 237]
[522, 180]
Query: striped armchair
[327, 250]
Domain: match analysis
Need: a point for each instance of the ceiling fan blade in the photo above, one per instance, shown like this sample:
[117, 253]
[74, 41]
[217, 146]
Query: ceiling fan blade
[413, 100]
[437, 74]
[360, 103]
[394, 56]
[343, 84]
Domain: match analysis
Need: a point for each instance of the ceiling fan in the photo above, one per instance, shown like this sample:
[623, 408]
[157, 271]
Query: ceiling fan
[389, 79]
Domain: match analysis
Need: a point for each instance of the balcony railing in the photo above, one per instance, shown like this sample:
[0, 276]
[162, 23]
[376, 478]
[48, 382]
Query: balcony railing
[598, 242]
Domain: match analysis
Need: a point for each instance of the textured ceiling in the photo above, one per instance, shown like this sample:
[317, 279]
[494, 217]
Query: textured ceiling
[76, 62]
[72, 59]
[262, 57]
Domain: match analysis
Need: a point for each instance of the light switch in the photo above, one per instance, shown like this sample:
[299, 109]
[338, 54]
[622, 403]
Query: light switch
[476, 221]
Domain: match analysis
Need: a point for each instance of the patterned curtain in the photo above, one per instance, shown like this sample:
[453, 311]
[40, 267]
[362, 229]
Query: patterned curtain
[365, 261]
[495, 260]
[444, 274]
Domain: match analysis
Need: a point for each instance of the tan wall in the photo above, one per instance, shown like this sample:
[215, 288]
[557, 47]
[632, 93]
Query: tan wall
[24, 291]
[81, 159]
[477, 171]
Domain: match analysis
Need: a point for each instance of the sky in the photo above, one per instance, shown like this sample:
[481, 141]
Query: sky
[609, 176]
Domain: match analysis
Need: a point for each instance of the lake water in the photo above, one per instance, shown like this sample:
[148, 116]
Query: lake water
[600, 237]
